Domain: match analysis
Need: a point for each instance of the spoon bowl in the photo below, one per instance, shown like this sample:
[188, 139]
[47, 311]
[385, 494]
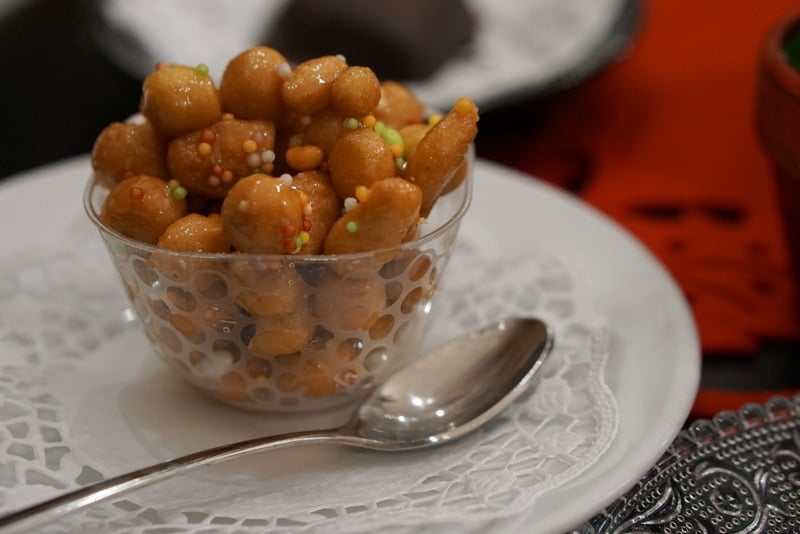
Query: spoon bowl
[442, 396]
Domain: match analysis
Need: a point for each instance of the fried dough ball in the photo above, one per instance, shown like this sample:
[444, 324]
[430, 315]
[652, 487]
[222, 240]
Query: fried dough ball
[359, 157]
[208, 162]
[125, 149]
[355, 92]
[263, 215]
[353, 302]
[266, 291]
[398, 106]
[307, 89]
[381, 220]
[283, 335]
[251, 85]
[440, 153]
[195, 233]
[178, 99]
[325, 207]
[142, 207]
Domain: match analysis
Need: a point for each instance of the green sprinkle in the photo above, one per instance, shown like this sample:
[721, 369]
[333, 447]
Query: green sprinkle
[399, 162]
[201, 69]
[179, 192]
[351, 123]
[172, 184]
[379, 127]
[352, 227]
[392, 136]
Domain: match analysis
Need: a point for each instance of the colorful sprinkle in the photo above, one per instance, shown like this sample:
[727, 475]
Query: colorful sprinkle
[369, 121]
[341, 58]
[201, 69]
[362, 193]
[172, 184]
[179, 193]
[207, 135]
[305, 237]
[284, 69]
[351, 226]
[306, 225]
[289, 230]
[400, 163]
[228, 116]
[204, 149]
[268, 156]
[249, 146]
[397, 150]
[266, 168]
[286, 179]
[350, 203]
[254, 160]
[289, 246]
[213, 181]
[216, 170]
[351, 123]
[433, 119]
[227, 176]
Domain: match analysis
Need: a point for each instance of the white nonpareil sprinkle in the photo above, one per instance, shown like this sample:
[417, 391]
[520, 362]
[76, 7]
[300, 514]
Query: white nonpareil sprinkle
[284, 69]
[350, 203]
[254, 160]
[286, 179]
[268, 156]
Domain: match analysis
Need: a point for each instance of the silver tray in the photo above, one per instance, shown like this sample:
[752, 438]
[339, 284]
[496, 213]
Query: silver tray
[736, 473]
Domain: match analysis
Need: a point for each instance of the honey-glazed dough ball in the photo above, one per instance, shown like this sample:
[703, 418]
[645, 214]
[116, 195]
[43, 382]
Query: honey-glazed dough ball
[353, 302]
[263, 215]
[355, 92]
[125, 149]
[307, 89]
[208, 162]
[178, 99]
[195, 233]
[381, 220]
[440, 153]
[282, 335]
[267, 290]
[398, 105]
[142, 207]
[251, 85]
[323, 130]
[359, 157]
[325, 207]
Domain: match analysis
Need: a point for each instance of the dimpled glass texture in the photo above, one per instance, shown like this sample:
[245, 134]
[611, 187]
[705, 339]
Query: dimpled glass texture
[285, 333]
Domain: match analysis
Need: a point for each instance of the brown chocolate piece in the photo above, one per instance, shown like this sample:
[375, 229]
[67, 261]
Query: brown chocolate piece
[403, 40]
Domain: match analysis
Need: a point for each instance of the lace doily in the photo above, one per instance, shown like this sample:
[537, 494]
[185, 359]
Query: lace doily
[83, 397]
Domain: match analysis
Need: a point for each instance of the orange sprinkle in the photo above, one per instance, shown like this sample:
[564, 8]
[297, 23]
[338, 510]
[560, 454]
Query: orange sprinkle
[289, 230]
[227, 176]
[204, 149]
[362, 193]
[369, 121]
[289, 245]
[266, 167]
[397, 150]
[208, 135]
[249, 146]
[227, 117]
[306, 225]
[433, 119]
[216, 170]
[160, 65]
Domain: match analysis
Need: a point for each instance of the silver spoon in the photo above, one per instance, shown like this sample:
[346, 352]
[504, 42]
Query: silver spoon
[436, 399]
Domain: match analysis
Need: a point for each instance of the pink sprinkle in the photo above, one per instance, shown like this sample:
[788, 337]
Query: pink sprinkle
[213, 181]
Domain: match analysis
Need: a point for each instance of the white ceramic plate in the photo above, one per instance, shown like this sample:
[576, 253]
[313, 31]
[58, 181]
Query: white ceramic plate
[654, 362]
[519, 48]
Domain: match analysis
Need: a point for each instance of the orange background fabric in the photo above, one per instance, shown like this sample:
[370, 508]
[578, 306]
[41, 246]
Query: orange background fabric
[663, 141]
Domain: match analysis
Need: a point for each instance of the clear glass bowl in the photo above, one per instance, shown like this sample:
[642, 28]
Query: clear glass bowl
[286, 333]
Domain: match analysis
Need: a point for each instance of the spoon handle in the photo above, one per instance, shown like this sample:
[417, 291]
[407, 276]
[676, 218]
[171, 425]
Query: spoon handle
[57, 507]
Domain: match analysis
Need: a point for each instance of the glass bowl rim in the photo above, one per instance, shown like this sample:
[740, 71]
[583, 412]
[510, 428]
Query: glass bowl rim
[95, 182]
